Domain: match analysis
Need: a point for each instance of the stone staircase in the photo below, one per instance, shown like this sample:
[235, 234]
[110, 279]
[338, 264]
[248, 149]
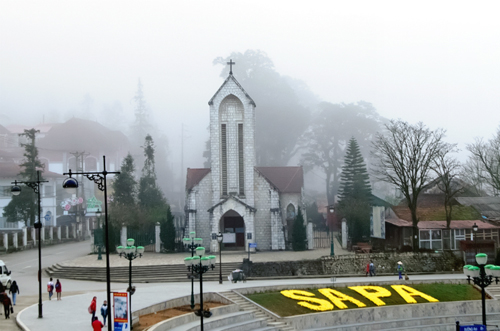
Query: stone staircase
[143, 274]
[259, 313]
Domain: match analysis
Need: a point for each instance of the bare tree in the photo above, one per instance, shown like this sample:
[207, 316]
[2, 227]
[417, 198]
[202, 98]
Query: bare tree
[447, 168]
[486, 156]
[472, 175]
[404, 157]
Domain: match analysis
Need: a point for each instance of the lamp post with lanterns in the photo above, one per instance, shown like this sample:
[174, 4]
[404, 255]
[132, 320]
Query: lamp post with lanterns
[199, 265]
[16, 190]
[219, 240]
[130, 252]
[331, 209]
[482, 275]
[98, 177]
[192, 243]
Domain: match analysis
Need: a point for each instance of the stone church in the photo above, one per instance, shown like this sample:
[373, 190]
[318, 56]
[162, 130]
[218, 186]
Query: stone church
[252, 206]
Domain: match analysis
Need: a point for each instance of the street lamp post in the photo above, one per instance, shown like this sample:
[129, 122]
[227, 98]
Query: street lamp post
[16, 190]
[130, 253]
[192, 243]
[219, 240]
[331, 209]
[200, 264]
[98, 177]
[482, 276]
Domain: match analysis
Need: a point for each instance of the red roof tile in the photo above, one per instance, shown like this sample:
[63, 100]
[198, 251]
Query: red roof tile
[285, 179]
[456, 225]
[194, 176]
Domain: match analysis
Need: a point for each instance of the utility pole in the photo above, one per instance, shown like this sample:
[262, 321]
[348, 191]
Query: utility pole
[79, 162]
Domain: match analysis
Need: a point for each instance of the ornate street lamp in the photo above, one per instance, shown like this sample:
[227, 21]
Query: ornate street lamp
[331, 209]
[219, 240]
[98, 177]
[192, 243]
[200, 264]
[130, 253]
[16, 190]
[482, 276]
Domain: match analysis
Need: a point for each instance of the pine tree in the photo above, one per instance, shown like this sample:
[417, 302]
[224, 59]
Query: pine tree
[25, 205]
[150, 195]
[167, 231]
[125, 185]
[355, 193]
[299, 235]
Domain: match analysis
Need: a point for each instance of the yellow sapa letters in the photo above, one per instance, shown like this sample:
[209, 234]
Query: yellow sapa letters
[407, 293]
[337, 297]
[320, 304]
[372, 293]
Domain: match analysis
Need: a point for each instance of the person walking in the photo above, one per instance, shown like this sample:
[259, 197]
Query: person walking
[96, 324]
[104, 311]
[372, 269]
[400, 269]
[14, 291]
[7, 305]
[92, 308]
[50, 288]
[58, 289]
[367, 269]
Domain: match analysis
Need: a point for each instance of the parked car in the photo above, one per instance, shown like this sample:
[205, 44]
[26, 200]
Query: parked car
[5, 275]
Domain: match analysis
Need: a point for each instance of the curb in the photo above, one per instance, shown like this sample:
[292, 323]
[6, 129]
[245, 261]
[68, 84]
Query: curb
[18, 319]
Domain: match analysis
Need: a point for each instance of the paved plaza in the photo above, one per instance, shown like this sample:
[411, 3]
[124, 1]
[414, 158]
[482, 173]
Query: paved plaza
[71, 313]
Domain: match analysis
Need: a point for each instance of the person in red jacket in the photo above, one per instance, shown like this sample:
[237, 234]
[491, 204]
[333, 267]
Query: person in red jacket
[97, 325]
[92, 309]
[58, 289]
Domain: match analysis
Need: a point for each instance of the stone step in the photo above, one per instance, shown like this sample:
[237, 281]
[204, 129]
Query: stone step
[243, 326]
[215, 321]
[157, 273]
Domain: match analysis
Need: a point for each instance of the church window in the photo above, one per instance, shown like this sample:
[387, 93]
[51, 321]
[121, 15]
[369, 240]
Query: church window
[290, 212]
[240, 160]
[224, 159]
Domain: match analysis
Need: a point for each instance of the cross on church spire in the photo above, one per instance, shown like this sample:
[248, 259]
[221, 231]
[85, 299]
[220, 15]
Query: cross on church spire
[231, 66]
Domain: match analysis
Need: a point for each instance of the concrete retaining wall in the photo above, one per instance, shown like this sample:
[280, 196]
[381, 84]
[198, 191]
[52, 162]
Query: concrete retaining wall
[406, 315]
[182, 301]
[356, 264]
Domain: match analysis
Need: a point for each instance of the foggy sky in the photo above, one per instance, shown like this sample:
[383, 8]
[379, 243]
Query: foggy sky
[436, 62]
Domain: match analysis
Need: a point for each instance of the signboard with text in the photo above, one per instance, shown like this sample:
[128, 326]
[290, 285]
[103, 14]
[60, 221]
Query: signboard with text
[121, 314]
[476, 327]
[229, 238]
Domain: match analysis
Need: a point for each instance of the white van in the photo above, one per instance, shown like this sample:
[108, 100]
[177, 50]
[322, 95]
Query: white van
[4, 275]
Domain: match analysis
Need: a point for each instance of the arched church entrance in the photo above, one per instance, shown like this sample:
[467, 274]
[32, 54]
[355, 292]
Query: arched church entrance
[233, 228]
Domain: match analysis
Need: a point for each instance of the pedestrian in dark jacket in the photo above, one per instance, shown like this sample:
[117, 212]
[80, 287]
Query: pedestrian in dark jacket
[7, 305]
[14, 291]
[372, 269]
[104, 311]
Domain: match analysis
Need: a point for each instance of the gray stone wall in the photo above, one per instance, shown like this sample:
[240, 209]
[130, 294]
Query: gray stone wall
[356, 265]
[262, 215]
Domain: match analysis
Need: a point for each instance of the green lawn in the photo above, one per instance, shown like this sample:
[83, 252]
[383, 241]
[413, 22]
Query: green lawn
[283, 306]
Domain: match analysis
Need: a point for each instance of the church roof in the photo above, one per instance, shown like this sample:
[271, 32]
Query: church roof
[194, 176]
[285, 179]
[231, 77]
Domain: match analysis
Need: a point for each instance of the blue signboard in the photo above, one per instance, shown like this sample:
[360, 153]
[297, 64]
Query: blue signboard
[477, 327]
[252, 245]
